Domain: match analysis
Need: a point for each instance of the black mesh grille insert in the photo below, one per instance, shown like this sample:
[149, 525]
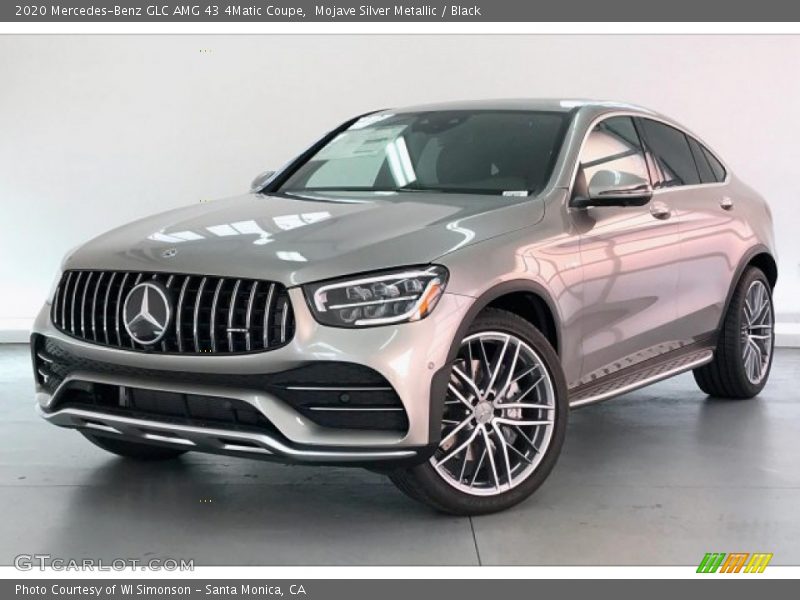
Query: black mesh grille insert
[170, 407]
[210, 315]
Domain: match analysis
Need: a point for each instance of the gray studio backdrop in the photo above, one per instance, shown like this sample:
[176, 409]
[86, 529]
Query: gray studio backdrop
[98, 130]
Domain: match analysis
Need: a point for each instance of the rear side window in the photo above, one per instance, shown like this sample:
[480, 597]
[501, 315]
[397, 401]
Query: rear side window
[674, 163]
[716, 166]
[711, 171]
[703, 166]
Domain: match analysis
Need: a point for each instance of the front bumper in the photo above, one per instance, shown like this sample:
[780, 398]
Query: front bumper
[411, 358]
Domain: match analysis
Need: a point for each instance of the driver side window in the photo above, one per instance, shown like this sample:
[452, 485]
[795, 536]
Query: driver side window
[614, 145]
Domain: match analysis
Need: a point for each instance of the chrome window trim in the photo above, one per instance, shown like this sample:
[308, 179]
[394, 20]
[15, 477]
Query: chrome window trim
[638, 115]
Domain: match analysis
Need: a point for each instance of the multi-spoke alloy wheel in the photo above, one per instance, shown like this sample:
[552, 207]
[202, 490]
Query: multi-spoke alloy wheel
[743, 356]
[499, 415]
[503, 420]
[757, 331]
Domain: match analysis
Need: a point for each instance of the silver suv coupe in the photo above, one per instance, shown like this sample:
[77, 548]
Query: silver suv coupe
[425, 292]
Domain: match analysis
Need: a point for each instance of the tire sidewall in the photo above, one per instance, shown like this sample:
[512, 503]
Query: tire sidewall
[736, 322]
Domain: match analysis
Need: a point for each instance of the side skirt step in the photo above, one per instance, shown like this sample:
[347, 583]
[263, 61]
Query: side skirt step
[638, 377]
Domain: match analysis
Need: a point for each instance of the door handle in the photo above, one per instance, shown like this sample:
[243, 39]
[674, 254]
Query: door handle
[659, 210]
[726, 203]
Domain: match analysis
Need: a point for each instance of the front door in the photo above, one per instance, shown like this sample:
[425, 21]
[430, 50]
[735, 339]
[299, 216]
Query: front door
[629, 257]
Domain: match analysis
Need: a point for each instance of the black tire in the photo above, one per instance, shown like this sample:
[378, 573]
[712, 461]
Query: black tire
[424, 484]
[134, 450]
[726, 375]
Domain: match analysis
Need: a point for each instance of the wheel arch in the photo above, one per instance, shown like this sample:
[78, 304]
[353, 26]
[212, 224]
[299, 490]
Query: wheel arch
[758, 256]
[766, 262]
[525, 298]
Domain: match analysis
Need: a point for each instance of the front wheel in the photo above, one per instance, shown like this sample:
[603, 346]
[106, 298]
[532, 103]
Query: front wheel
[504, 421]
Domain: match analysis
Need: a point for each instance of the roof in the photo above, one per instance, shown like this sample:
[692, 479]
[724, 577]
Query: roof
[544, 104]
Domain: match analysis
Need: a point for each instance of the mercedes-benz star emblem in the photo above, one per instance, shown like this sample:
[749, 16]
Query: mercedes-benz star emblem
[147, 312]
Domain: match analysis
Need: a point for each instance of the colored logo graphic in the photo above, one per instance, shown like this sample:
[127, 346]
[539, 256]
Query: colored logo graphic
[735, 562]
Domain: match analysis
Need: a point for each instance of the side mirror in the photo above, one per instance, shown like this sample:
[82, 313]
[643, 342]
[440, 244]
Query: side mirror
[615, 188]
[261, 180]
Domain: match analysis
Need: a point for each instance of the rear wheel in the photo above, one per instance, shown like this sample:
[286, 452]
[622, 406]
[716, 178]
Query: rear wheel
[503, 425]
[743, 358]
[133, 450]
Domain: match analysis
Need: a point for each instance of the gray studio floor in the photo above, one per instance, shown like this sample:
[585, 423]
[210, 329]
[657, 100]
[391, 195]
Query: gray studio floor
[659, 476]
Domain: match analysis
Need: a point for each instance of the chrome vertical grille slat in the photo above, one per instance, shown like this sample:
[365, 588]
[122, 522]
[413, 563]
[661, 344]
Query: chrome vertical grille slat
[119, 308]
[284, 320]
[196, 319]
[168, 285]
[232, 314]
[268, 314]
[214, 303]
[73, 302]
[94, 304]
[105, 306]
[64, 299]
[249, 315]
[138, 280]
[83, 303]
[227, 315]
[54, 311]
[179, 313]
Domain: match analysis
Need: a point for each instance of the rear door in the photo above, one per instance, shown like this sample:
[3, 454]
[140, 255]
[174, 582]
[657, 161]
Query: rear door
[691, 179]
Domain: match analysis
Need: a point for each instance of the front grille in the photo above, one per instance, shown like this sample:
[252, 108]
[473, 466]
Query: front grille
[216, 315]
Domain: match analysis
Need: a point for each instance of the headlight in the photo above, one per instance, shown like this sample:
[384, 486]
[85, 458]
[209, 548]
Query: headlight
[391, 297]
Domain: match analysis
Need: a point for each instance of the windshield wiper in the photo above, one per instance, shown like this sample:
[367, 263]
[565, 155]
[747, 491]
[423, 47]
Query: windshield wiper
[449, 190]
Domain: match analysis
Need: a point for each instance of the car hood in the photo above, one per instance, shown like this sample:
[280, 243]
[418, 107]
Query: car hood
[296, 239]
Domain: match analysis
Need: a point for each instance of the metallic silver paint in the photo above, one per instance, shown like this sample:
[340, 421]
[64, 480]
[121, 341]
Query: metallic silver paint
[625, 284]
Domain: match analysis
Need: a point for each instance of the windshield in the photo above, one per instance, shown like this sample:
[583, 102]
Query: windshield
[501, 152]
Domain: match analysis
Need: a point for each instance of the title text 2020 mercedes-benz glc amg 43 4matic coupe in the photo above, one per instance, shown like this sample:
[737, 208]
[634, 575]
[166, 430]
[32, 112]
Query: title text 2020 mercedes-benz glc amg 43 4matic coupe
[426, 292]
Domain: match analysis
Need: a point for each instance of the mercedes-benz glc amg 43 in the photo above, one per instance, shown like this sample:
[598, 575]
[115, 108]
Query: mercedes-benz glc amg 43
[425, 291]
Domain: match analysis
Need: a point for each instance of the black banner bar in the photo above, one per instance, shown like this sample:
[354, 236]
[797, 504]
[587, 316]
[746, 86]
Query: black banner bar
[209, 11]
[731, 587]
